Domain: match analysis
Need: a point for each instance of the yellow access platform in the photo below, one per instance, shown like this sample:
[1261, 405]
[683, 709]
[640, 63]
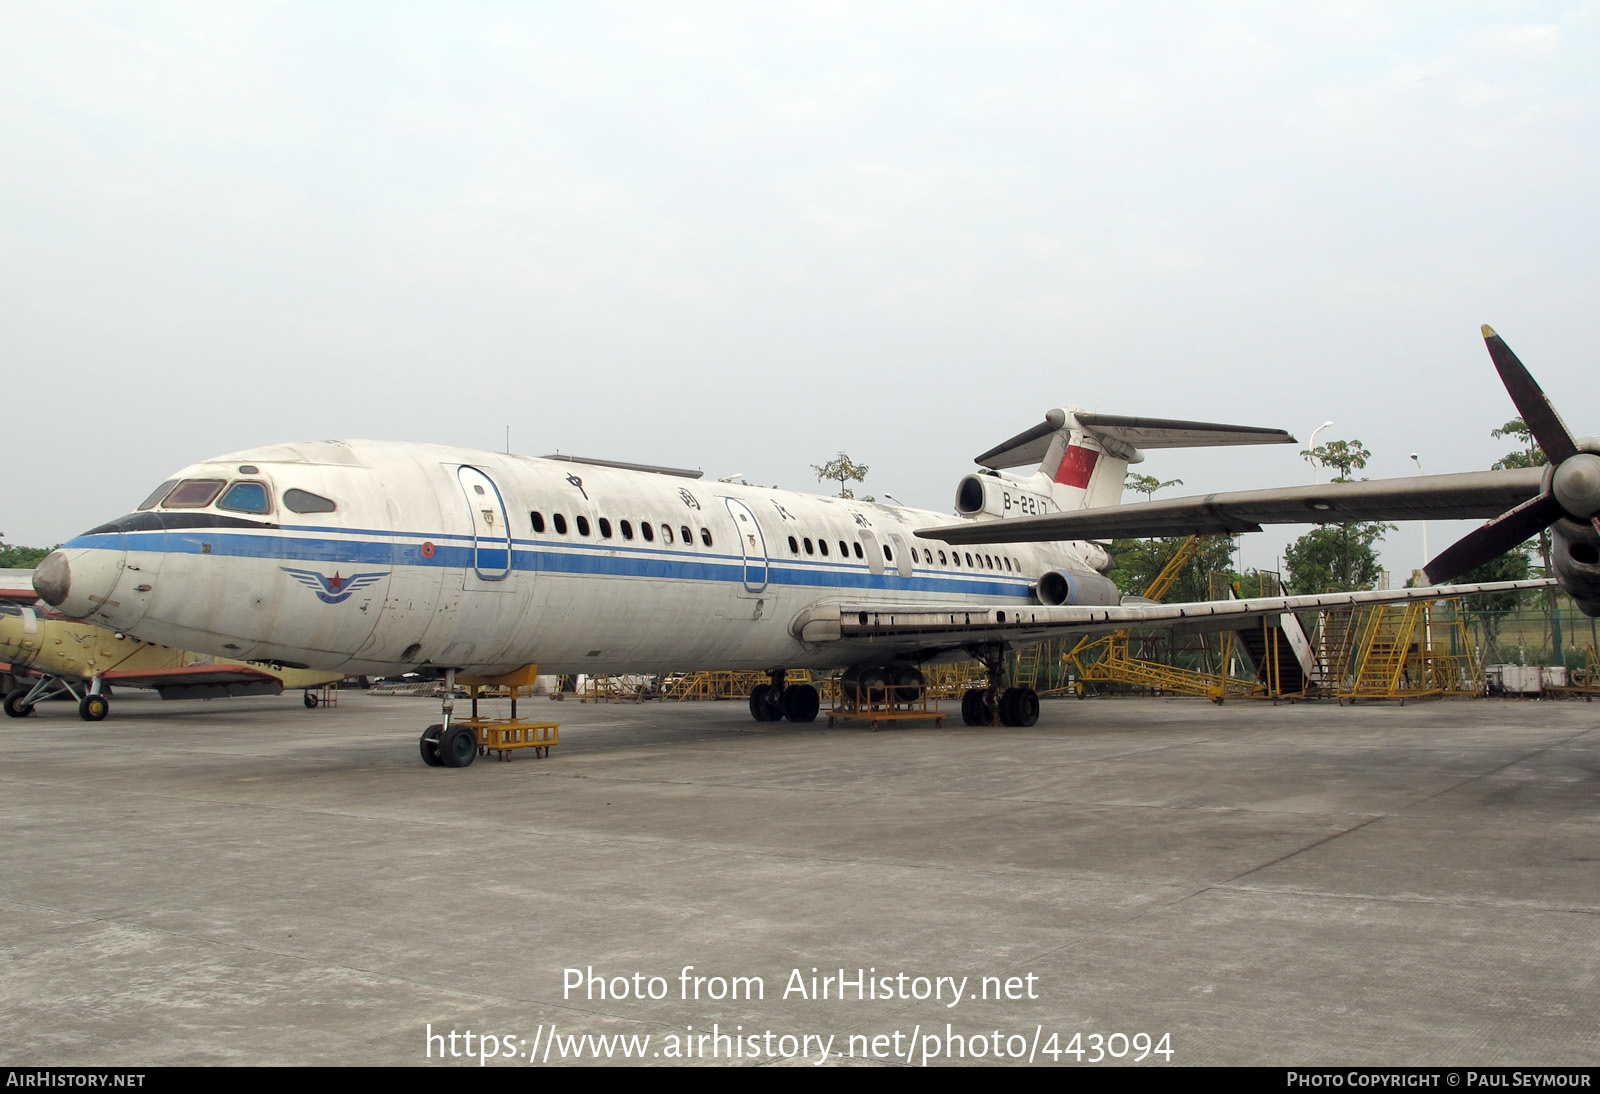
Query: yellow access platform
[503, 736]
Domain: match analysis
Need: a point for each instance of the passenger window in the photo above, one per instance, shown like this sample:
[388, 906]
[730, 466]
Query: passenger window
[844, 549]
[970, 566]
[941, 558]
[560, 522]
[246, 497]
[647, 530]
[807, 542]
[303, 501]
[857, 547]
[888, 554]
[193, 494]
[538, 521]
[688, 536]
[666, 533]
[627, 529]
[583, 525]
[822, 545]
[705, 536]
[794, 545]
[605, 528]
[160, 492]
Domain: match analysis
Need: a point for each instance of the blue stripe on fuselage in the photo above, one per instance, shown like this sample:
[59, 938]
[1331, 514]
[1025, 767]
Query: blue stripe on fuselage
[608, 561]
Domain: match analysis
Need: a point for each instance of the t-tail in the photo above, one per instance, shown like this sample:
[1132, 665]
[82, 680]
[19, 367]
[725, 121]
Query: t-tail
[1083, 461]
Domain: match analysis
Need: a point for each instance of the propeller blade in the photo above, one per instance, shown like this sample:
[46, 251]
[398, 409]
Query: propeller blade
[1495, 538]
[1531, 402]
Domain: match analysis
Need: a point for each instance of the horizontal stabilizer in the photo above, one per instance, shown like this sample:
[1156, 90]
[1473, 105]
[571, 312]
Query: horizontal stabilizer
[1165, 433]
[1420, 497]
[1031, 445]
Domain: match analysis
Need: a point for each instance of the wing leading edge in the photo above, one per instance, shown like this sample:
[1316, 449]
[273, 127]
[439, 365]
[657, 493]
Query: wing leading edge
[1422, 497]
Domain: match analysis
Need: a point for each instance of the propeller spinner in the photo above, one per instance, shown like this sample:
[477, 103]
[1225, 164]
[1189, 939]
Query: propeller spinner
[1571, 490]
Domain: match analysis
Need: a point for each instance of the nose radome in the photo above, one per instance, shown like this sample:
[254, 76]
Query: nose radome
[53, 578]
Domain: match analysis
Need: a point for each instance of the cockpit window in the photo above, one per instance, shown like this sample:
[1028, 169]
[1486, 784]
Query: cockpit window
[193, 494]
[303, 501]
[154, 499]
[246, 497]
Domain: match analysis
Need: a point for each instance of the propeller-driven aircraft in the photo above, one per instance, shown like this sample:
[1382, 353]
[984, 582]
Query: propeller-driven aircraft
[65, 657]
[378, 557]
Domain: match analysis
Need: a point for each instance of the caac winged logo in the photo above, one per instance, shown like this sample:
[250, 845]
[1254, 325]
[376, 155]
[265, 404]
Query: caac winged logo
[335, 589]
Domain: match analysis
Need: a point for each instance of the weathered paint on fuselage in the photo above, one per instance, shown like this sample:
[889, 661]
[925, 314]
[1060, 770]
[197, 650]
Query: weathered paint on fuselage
[411, 568]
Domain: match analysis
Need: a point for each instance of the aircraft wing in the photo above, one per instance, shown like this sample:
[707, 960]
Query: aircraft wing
[189, 676]
[929, 629]
[1419, 497]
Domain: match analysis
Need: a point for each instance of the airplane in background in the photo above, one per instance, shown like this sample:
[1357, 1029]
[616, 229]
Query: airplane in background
[379, 557]
[82, 660]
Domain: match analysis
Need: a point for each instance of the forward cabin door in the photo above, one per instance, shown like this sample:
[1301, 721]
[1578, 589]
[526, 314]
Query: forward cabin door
[491, 531]
[752, 543]
[491, 616]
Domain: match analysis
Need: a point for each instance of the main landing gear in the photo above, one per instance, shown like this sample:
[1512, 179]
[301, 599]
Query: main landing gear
[93, 705]
[1007, 706]
[776, 701]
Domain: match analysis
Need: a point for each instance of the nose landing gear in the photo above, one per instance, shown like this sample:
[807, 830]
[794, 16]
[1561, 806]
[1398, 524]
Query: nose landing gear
[456, 742]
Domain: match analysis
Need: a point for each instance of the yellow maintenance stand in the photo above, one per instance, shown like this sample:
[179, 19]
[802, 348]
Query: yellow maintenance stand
[876, 704]
[503, 736]
[1109, 659]
[1409, 651]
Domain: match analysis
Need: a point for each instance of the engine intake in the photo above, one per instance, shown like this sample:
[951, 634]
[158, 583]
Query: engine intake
[1058, 587]
[1000, 496]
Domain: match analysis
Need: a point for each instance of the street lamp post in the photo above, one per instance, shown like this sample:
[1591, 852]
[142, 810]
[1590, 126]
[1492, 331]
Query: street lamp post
[1427, 614]
[1312, 447]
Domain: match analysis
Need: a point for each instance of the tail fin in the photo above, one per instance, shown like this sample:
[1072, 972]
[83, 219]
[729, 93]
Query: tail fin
[1084, 457]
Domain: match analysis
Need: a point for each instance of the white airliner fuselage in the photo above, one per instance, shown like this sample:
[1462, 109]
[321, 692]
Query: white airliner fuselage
[379, 557]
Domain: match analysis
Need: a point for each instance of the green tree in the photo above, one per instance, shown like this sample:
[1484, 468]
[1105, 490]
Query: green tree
[1531, 455]
[1337, 558]
[1347, 456]
[843, 469]
[21, 558]
[1147, 484]
[1490, 609]
[1135, 563]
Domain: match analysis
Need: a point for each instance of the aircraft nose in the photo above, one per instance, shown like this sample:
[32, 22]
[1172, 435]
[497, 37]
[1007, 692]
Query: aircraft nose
[78, 583]
[53, 578]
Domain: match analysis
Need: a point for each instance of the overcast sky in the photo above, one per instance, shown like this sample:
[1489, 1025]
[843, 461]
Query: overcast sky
[744, 237]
